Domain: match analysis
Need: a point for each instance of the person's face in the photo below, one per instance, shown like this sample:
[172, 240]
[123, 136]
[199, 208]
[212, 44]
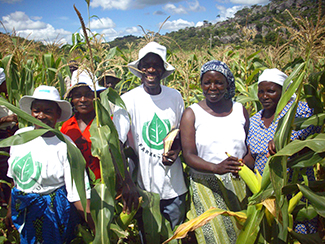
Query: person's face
[269, 94]
[214, 86]
[110, 82]
[152, 67]
[46, 111]
[3, 88]
[82, 99]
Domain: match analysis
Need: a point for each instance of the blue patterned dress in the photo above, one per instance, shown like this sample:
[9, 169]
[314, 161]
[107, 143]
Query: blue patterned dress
[259, 136]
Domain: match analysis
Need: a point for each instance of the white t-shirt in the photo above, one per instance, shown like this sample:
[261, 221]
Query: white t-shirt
[41, 166]
[214, 136]
[152, 117]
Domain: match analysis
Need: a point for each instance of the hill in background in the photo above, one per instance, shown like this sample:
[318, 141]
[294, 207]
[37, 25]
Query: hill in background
[259, 20]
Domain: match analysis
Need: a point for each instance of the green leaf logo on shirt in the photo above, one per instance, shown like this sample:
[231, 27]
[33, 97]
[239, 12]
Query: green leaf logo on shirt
[154, 131]
[26, 171]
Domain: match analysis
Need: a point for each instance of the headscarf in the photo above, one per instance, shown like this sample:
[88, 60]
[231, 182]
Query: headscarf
[272, 75]
[221, 67]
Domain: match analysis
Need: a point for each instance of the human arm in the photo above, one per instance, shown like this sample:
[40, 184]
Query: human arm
[129, 192]
[80, 210]
[8, 219]
[248, 158]
[9, 118]
[229, 165]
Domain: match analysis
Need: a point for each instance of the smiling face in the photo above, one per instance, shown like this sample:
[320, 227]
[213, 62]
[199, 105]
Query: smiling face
[152, 67]
[46, 111]
[214, 86]
[269, 95]
[82, 99]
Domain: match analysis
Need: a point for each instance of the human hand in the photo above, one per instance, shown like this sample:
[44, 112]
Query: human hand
[271, 147]
[229, 165]
[8, 220]
[170, 157]
[130, 195]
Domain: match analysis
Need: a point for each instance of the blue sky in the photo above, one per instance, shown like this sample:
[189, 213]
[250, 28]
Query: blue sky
[55, 20]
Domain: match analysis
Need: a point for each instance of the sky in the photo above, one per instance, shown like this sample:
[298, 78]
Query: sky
[56, 20]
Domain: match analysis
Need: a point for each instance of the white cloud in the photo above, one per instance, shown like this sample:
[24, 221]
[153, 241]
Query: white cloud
[133, 30]
[171, 8]
[249, 2]
[46, 35]
[226, 13]
[176, 25]
[102, 23]
[36, 17]
[20, 21]
[198, 24]
[112, 4]
[128, 4]
[11, 1]
[193, 6]
[34, 30]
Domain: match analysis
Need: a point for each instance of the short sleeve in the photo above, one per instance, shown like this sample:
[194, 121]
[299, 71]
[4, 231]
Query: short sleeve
[121, 121]
[70, 185]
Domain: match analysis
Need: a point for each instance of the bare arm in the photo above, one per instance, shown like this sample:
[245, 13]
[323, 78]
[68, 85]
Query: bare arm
[229, 165]
[248, 159]
[80, 210]
[130, 195]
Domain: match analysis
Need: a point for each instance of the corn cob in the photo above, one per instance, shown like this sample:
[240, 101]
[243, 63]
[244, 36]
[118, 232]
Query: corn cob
[294, 201]
[169, 139]
[124, 219]
[249, 177]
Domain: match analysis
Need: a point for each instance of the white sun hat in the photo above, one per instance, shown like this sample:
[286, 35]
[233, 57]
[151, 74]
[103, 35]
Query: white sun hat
[2, 76]
[152, 47]
[273, 75]
[82, 78]
[49, 93]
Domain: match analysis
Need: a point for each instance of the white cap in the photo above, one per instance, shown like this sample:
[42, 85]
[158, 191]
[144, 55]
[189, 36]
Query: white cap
[273, 75]
[49, 93]
[152, 47]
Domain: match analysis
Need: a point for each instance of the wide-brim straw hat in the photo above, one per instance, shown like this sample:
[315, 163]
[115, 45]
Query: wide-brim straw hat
[48, 93]
[82, 78]
[109, 73]
[152, 47]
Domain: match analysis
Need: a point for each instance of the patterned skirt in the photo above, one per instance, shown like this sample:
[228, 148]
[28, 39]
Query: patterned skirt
[46, 219]
[220, 191]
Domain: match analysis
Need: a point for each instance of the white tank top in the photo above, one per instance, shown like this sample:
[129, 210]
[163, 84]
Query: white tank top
[214, 136]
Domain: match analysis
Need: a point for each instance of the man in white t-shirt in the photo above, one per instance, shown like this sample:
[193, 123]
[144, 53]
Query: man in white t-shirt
[154, 110]
[44, 199]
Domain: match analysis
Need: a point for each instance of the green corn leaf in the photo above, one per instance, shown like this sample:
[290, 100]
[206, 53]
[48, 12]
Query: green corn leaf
[251, 228]
[102, 212]
[317, 200]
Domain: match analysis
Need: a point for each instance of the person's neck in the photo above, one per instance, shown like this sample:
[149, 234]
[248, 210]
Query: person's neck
[86, 118]
[220, 107]
[268, 114]
[153, 91]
